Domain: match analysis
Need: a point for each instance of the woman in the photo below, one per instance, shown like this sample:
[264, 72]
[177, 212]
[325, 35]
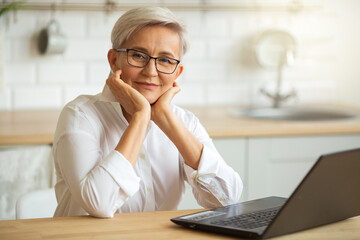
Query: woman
[129, 149]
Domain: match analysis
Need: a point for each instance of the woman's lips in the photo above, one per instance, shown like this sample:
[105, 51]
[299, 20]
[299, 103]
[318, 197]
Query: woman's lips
[145, 85]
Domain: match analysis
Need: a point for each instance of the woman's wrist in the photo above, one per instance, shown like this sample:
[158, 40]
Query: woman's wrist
[143, 116]
[161, 116]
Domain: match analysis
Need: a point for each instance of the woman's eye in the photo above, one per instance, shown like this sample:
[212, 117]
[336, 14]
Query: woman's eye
[138, 56]
[166, 60]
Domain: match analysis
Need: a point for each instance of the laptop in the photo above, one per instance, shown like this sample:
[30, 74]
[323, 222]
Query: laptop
[329, 193]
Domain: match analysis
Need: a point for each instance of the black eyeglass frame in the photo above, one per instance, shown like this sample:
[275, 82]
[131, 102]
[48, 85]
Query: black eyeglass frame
[150, 57]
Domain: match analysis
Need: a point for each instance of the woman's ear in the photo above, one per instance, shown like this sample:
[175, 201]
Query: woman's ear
[179, 70]
[112, 59]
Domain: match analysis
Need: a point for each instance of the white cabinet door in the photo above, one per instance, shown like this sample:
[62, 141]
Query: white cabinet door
[23, 168]
[278, 164]
[233, 150]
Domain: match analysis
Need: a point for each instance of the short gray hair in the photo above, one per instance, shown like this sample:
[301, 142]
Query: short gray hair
[136, 19]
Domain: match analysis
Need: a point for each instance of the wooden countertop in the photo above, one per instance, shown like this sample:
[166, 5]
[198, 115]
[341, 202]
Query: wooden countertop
[38, 126]
[28, 127]
[147, 225]
[219, 123]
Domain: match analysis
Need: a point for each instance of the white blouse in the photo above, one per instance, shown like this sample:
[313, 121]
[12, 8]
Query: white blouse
[95, 179]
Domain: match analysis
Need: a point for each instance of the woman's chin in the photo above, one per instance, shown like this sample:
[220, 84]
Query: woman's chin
[152, 100]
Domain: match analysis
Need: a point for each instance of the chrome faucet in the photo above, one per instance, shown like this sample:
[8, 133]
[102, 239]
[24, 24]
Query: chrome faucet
[276, 97]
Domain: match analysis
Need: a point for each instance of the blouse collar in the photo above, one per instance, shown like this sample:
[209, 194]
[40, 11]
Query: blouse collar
[106, 95]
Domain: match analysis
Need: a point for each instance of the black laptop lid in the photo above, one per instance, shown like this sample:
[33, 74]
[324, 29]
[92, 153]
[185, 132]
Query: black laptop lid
[330, 192]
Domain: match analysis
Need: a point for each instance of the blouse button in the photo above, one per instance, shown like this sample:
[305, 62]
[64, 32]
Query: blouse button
[143, 156]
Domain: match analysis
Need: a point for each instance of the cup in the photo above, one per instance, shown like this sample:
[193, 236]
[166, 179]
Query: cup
[51, 40]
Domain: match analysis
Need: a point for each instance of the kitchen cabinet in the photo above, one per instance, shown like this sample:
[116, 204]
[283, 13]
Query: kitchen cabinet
[274, 166]
[23, 168]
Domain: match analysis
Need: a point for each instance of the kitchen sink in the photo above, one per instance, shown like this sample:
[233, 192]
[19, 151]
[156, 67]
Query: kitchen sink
[295, 113]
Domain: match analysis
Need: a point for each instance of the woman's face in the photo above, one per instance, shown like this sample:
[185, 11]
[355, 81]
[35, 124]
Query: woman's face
[155, 41]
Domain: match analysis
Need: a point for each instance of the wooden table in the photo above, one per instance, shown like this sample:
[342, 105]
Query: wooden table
[147, 226]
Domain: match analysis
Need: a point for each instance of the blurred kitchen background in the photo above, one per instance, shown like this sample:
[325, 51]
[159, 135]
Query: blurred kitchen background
[220, 66]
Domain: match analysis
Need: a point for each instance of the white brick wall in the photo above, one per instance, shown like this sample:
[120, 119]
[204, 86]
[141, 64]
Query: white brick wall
[97, 72]
[71, 92]
[219, 67]
[42, 97]
[5, 99]
[61, 72]
[20, 73]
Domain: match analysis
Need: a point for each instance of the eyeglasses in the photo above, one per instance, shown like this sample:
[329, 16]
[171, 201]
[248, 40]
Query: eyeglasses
[139, 59]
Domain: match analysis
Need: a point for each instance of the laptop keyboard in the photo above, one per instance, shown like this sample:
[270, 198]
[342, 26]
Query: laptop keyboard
[250, 220]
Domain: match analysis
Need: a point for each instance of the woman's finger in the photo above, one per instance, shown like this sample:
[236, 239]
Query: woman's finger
[117, 74]
[170, 94]
[174, 90]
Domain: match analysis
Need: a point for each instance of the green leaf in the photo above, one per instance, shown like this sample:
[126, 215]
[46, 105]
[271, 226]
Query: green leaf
[12, 6]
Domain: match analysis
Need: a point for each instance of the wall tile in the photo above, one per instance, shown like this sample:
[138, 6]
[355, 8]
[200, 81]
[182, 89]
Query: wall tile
[244, 25]
[6, 49]
[229, 93]
[20, 73]
[73, 91]
[317, 91]
[61, 72]
[306, 24]
[73, 24]
[97, 72]
[310, 71]
[194, 22]
[226, 51]
[23, 25]
[217, 25]
[248, 75]
[197, 50]
[100, 25]
[204, 72]
[5, 99]
[89, 49]
[191, 94]
[37, 97]
[319, 48]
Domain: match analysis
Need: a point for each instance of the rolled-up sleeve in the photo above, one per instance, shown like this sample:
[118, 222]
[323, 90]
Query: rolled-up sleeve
[122, 172]
[99, 185]
[214, 183]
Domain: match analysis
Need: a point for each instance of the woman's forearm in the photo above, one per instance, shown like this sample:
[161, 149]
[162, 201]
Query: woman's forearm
[189, 147]
[133, 137]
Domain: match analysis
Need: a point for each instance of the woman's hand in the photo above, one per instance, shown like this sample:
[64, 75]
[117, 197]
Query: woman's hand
[130, 99]
[162, 106]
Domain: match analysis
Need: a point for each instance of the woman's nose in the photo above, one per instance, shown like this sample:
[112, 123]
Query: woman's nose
[150, 68]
